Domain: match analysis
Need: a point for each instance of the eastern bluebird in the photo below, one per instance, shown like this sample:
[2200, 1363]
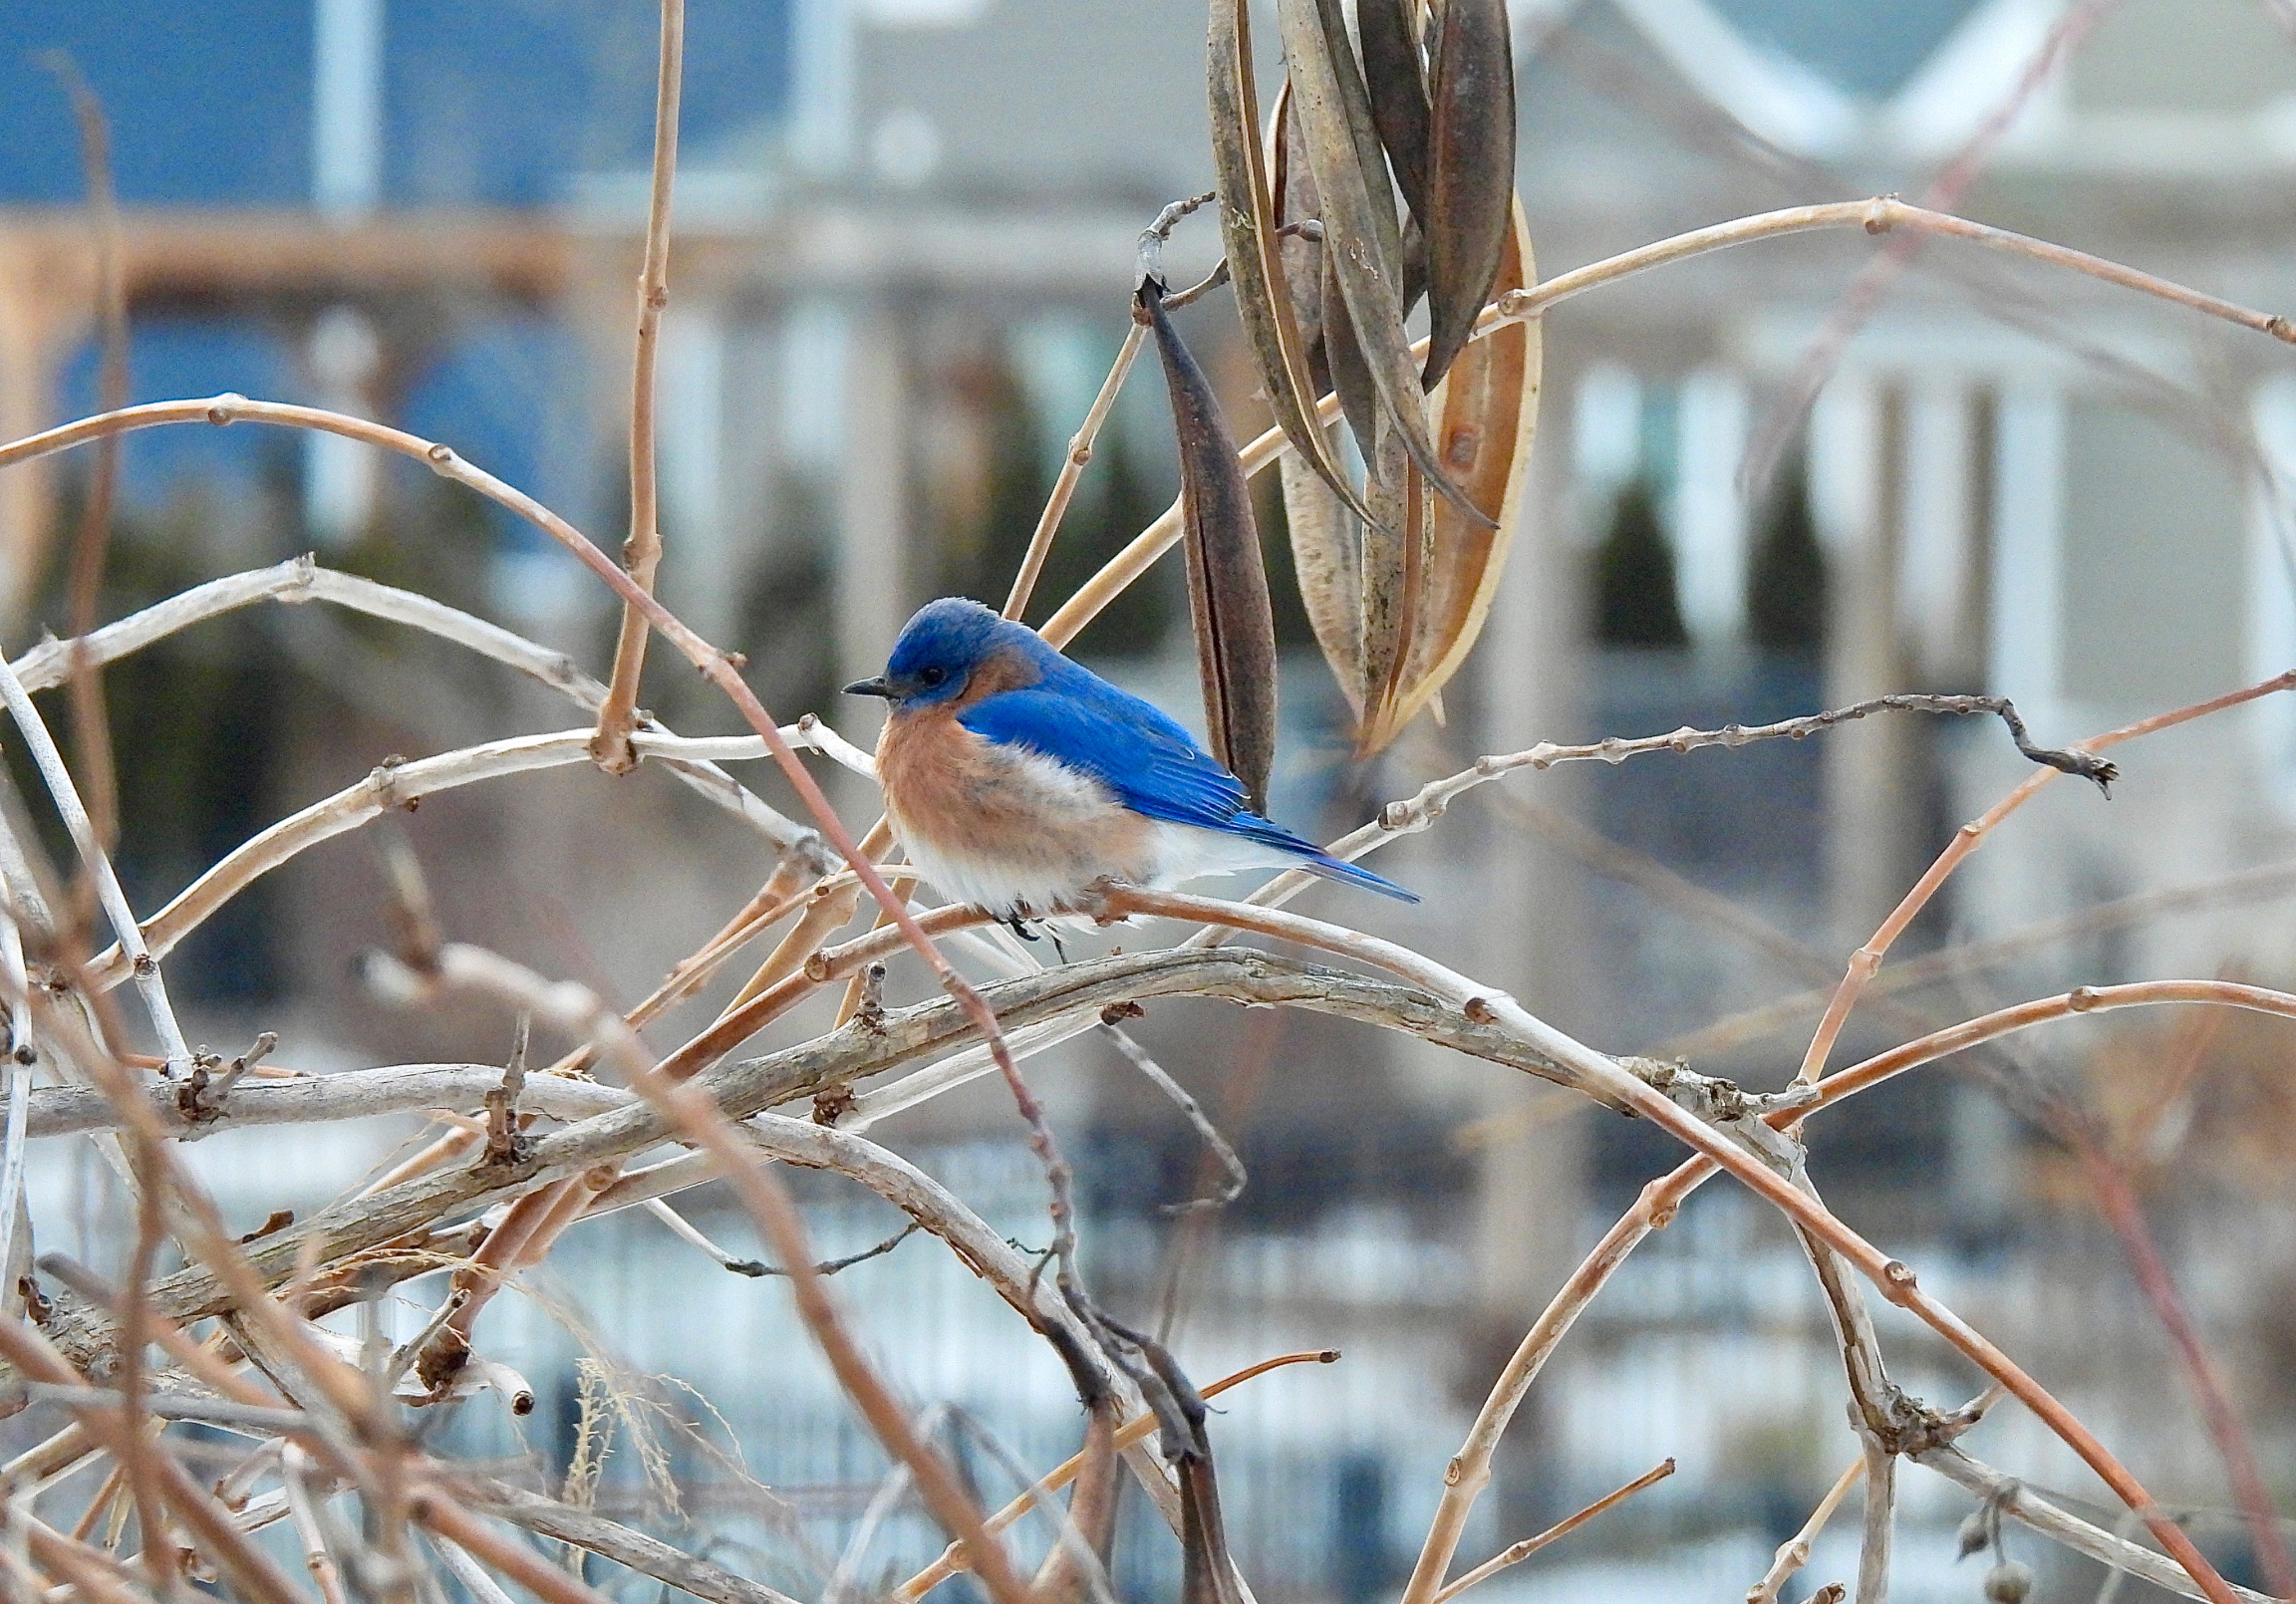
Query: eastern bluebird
[1017, 778]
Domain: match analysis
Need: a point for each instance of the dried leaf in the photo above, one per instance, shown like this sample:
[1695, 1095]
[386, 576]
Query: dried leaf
[1324, 555]
[1470, 173]
[1248, 227]
[1227, 582]
[1361, 239]
[1398, 93]
[1486, 412]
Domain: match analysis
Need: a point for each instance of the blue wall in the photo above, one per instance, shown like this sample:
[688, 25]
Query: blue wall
[502, 104]
[496, 104]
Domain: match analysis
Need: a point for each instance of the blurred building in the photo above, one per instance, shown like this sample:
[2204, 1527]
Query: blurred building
[905, 238]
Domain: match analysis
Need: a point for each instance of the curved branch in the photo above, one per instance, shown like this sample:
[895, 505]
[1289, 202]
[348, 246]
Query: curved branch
[1877, 215]
[624, 1545]
[385, 789]
[748, 1086]
[300, 579]
[1662, 1198]
[318, 1099]
[1590, 1071]
[2020, 1503]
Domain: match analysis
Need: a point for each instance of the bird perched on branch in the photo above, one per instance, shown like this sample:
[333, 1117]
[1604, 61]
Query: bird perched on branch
[1018, 779]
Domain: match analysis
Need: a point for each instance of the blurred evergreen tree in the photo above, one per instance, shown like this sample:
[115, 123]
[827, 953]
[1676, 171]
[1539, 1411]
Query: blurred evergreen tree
[983, 544]
[1116, 499]
[1634, 599]
[1785, 581]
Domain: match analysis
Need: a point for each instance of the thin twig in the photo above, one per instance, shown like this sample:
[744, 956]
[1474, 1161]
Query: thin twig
[438, 1509]
[169, 1406]
[1134, 1430]
[1867, 959]
[647, 1556]
[1423, 808]
[690, 1232]
[66, 796]
[91, 726]
[1238, 1178]
[642, 550]
[2117, 1201]
[17, 1055]
[1856, 304]
[386, 789]
[1072, 466]
[2020, 1503]
[1793, 1554]
[1516, 1553]
[470, 1573]
[2273, 881]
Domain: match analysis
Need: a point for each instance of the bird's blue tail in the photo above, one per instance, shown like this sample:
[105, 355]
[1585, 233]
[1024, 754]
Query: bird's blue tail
[1314, 860]
[1348, 874]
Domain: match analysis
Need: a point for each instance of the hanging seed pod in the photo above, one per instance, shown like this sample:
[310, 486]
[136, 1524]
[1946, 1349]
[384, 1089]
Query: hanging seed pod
[1486, 412]
[1361, 240]
[2008, 1583]
[1227, 582]
[1299, 239]
[1385, 606]
[1248, 229]
[1325, 553]
[1470, 173]
[1398, 84]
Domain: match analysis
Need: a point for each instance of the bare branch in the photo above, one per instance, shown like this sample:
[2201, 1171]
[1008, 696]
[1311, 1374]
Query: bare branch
[300, 579]
[1137, 1057]
[1516, 1553]
[66, 796]
[1072, 466]
[1794, 1553]
[2021, 1503]
[647, 1556]
[641, 550]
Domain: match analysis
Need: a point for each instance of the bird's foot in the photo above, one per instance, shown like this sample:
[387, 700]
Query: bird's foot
[1019, 920]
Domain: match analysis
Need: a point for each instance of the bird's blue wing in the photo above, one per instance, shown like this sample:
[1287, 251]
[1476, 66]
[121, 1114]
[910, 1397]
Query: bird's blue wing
[1154, 765]
[1132, 747]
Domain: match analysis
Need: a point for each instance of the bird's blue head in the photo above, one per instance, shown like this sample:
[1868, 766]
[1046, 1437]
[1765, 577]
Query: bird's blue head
[939, 649]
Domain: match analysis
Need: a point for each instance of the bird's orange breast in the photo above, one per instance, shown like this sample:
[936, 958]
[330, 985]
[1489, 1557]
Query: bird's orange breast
[956, 797]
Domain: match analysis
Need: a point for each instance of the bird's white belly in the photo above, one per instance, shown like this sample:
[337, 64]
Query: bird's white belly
[1075, 833]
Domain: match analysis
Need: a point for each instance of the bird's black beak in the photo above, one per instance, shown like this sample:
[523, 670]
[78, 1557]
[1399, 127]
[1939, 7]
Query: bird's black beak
[871, 687]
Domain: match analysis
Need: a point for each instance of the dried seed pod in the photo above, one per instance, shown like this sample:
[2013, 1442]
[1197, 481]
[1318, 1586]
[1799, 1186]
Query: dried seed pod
[1470, 173]
[1362, 239]
[1299, 213]
[1398, 83]
[1975, 1533]
[1487, 414]
[1227, 581]
[1326, 555]
[2008, 1583]
[1248, 228]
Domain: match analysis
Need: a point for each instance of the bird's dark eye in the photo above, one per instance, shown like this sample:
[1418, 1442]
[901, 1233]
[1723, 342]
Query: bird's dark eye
[933, 677]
